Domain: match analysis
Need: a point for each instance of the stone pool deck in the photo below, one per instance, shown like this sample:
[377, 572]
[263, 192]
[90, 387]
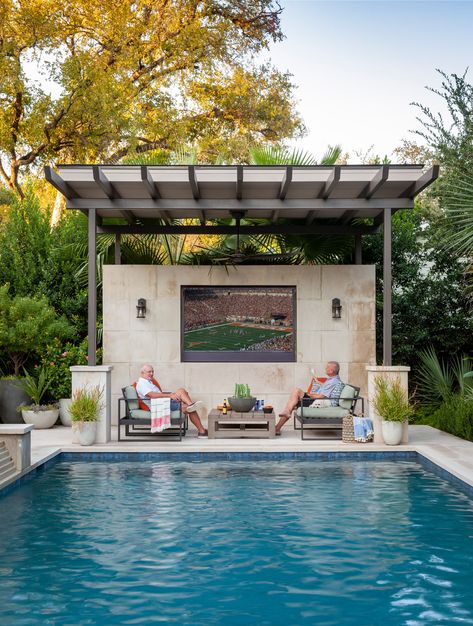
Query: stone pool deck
[448, 452]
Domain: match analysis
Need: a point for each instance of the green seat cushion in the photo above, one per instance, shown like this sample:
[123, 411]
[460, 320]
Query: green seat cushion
[327, 412]
[141, 414]
[137, 414]
[132, 398]
[346, 396]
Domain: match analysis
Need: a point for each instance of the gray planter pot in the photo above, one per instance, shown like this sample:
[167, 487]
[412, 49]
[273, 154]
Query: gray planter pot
[242, 405]
[10, 398]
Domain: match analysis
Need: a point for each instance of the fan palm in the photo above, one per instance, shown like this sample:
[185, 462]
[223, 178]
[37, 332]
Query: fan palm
[315, 249]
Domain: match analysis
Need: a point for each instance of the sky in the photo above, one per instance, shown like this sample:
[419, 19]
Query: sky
[358, 66]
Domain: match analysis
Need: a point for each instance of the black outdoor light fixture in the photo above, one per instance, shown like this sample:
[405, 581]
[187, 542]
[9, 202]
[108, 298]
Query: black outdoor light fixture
[336, 309]
[141, 308]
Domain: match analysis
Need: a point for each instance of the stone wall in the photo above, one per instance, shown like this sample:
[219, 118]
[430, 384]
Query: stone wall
[129, 342]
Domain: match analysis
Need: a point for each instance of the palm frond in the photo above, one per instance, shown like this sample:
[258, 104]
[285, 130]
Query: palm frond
[435, 379]
[331, 155]
[270, 155]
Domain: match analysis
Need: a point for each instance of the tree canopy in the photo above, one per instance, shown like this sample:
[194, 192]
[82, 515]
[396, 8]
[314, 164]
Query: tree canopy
[126, 75]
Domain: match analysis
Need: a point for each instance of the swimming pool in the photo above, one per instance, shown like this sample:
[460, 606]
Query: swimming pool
[230, 543]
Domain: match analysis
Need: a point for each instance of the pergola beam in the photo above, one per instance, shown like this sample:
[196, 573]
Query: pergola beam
[239, 183]
[232, 204]
[193, 182]
[331, 183]
[378, 181]
[104, 184]
[424, 181]
[229, 229]
[285, 183]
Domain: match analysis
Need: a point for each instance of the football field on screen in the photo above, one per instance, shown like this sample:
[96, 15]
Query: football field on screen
[228, 337]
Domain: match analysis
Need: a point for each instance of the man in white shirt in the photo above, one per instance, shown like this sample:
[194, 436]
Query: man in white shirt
[146, 388]
[325, 390]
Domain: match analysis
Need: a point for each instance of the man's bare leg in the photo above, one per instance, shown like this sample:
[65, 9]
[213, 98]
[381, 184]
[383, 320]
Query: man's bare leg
[185, 400]
[195, 419]
[292, 402]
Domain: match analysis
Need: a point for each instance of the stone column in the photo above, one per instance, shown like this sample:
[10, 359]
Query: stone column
[391, 372]
[17, 438]
[101, 376]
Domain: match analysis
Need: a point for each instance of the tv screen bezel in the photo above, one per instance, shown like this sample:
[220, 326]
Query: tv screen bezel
[214, 356]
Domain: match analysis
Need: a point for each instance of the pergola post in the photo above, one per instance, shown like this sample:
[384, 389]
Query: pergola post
[118, 249]
[358, 255]
[92, 286]
[387, 286]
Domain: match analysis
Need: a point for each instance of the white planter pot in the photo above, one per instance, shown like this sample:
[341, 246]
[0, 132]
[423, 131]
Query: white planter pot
[75, 432]
[41, 419]
[64, 414]
[87, 433]
[392, 432]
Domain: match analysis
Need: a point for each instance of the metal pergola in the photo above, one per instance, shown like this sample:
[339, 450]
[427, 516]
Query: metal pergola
[325, 199]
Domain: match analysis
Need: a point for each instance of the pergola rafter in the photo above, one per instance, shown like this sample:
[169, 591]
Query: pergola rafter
[323, 200]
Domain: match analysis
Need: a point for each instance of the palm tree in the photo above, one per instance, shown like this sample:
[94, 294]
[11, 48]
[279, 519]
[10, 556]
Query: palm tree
[314, 249]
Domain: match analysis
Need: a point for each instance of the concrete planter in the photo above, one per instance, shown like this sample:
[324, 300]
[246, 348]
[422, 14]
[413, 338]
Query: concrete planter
[392, 432]
[64, 414]
[10, 398]
[87, 433]
[41, 419]
[242, 405]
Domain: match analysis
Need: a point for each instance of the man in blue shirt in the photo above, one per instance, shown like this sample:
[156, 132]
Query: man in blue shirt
[317, 391]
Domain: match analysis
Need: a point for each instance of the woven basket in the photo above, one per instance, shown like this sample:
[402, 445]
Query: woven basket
[348, 434]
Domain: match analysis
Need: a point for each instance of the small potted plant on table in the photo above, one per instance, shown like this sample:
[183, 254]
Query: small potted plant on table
[242, 401]
[85, 410]
[40, 415]
[392, 404]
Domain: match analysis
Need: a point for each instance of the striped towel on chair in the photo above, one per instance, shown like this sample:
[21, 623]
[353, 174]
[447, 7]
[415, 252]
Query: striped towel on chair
[160, 414]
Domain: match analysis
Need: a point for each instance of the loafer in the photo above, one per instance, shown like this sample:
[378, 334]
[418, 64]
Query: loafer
[193, 406]
[204, 434]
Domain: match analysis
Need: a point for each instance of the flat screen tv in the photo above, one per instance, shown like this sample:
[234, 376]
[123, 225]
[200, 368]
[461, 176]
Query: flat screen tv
[238, 324]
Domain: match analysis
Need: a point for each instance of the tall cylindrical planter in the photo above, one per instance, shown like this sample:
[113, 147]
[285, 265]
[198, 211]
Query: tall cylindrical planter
[64, 414]
[392, 432]
[11, 396]
[75, 432]
[87, 433]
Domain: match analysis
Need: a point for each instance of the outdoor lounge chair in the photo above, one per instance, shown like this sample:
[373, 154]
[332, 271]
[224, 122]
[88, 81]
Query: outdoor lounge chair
[137, 421]
[329, 417]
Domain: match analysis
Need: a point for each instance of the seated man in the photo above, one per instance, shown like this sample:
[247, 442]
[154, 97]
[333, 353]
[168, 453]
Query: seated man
[147, 387]
[317, 391]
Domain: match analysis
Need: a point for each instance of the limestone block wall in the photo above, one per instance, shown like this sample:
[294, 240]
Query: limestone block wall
[129, 342]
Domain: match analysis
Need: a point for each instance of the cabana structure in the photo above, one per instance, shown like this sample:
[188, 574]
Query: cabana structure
[355, 201]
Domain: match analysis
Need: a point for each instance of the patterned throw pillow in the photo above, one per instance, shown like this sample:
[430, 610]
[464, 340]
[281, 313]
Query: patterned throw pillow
[335, 395]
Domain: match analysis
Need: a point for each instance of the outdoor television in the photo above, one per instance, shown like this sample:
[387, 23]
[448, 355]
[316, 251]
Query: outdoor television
[238, 324]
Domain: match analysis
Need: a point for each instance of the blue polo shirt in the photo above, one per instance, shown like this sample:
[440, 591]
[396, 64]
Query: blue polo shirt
[327, 388]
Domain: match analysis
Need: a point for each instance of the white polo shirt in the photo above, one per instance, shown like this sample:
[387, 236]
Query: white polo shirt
[145, 386]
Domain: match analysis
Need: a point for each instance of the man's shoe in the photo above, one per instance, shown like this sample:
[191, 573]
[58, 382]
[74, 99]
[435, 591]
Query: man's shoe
[193, 406]
[204, 434]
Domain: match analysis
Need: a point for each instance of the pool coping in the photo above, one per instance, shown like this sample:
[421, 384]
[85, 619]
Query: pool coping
[402, 453]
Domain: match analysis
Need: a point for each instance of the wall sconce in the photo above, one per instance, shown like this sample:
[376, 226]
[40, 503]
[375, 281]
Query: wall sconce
[336, 309]
[141, 308]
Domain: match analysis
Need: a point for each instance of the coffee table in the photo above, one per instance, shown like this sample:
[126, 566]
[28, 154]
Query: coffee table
[235, 425]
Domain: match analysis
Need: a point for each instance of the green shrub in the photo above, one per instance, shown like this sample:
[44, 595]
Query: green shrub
[26, 327]
[86, 404]
[58, 358]
[455, 416]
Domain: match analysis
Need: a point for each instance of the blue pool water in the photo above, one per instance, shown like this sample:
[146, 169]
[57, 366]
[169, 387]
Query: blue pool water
[235, 543]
